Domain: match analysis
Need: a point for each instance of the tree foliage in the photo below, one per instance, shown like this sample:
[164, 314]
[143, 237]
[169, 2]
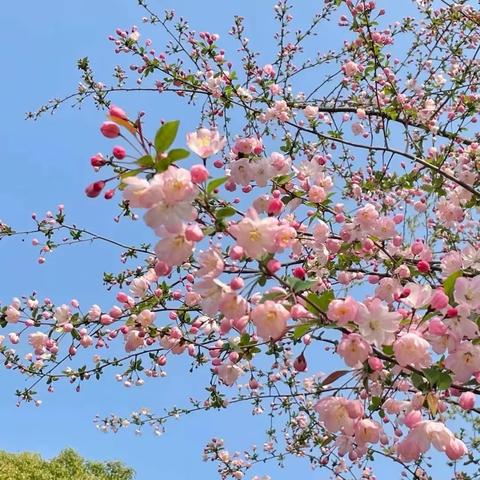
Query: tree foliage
[68, 465]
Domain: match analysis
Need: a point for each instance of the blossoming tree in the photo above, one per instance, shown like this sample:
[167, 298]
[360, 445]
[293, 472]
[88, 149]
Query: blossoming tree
[323, 211]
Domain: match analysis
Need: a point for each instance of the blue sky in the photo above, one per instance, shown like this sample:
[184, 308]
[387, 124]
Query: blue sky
[46, 163]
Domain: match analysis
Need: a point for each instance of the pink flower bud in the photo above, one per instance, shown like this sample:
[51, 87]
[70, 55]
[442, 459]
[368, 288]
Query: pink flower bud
[122, 297]
[115, 312]
[299, 311]
[97, 160]
[253, 384]
[437, 327]
[109, 194]
[467, 400]
[162, 360]
[110, 129]
[162, 269]
[233, 357]
[417, 247]
[300, 364]
[117, 112]
[94, 189]
[423, 266]
[273, 265]
[375, 363]
[194, 233]
[236, 252]
[439, 299]
[119, 152]
[397, 241]
[452, 312]
[299, 273]
[237, 283]
[274, 206]
[199, 173]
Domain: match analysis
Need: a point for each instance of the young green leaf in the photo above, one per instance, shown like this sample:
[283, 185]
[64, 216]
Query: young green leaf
[215, 183]
[166, 135]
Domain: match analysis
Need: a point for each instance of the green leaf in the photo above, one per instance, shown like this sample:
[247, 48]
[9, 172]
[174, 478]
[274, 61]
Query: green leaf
[165, 135]
[301, 330]
[145, 161]
[298, 285]
[272, 296]
[432, 375]
[419, 382]
[444, 381]
[319, 302]
[375, 405]
[177, 154]
[449, 284]
[162, 164]
[215, 184]
[387, 350]
[244, 340]
[225, 212]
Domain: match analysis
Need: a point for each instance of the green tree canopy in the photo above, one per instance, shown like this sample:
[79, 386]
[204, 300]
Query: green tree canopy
[68, 465]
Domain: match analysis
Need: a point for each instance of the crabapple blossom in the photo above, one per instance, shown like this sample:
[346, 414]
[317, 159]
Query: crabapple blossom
[205, 142]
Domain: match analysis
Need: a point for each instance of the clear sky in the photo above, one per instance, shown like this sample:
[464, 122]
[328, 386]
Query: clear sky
[46, 163]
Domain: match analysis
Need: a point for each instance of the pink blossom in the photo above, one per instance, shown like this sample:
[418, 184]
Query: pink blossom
[310, 111]
[211, 292]
[138, 193]
[358, 128]
[228, 373]
[171, 216]
[12, 314]
[425, 434]
[412, 350]
[464, 361]
[343, 311]
[466, 291]
[350, 68]
[175, 185]
[199, 173]
[367, 431]
[376, 323]
[232, 305]
[419, 296]
[255, 235]
[145, 318]
[367, 216]
[270, 318]
[38, 340]
[354, 350]
[133, 340]
[62, 314]
[334, 414]
[173, 249]
[205, 142]
[210, 262]
[248, 146]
